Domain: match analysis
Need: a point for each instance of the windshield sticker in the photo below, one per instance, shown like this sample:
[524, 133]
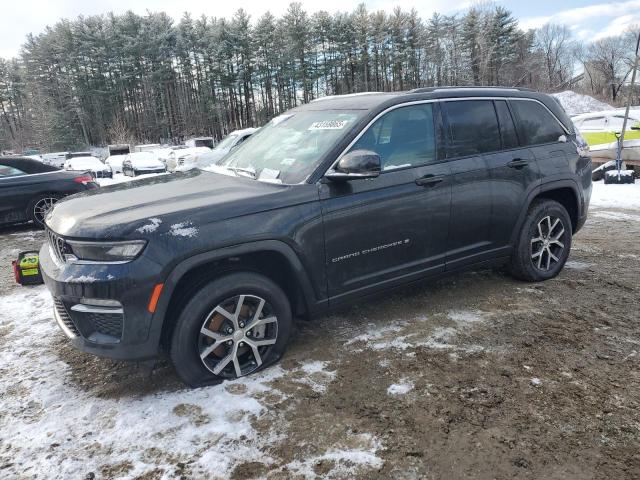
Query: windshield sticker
[328, 125]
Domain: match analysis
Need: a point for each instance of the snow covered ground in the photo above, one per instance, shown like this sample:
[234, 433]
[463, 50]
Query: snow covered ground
[54, 429]
[616, 196]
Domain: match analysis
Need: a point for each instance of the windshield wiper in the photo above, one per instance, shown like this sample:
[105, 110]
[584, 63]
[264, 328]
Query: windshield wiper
[239, 170]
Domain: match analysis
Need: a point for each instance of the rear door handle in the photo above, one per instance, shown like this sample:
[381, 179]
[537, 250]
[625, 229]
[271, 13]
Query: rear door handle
[429, 180]
[518, 163]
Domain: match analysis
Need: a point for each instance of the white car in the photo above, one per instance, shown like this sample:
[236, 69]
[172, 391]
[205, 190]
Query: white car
[165, 155]
[91, 164]
[185, 158]
[208, 157]
[140, 163]
[115, 162]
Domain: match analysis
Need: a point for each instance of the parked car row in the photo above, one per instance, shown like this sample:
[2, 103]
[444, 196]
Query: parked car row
[31, 185]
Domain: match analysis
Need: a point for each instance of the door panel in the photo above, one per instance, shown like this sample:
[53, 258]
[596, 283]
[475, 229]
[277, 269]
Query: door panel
[469, 228]
[514, 173]
[385, 228]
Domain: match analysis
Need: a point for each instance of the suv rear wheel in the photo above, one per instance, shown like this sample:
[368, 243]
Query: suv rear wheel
[232, 327]
[544, 242]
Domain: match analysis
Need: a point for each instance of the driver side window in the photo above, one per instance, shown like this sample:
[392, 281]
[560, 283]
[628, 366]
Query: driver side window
[404, 137]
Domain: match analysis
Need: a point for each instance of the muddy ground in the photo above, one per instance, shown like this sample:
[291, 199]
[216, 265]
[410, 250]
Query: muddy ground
[476, 376]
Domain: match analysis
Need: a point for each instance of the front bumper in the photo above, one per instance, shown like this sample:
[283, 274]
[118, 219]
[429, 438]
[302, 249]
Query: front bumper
[102, 308]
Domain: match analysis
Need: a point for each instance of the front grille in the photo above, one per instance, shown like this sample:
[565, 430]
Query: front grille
[64, 316]
[59, 246]
[107, 323]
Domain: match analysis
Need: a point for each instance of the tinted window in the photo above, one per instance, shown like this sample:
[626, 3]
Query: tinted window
[507, 127]
[473, 127]
[537, 125]
[7, 171]
[403, 137]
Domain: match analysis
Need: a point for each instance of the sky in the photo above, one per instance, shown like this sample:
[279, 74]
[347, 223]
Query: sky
[588, 20]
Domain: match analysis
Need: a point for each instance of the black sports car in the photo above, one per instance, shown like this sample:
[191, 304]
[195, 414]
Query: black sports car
[28, 189]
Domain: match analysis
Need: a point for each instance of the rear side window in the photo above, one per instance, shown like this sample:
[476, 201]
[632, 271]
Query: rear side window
[404, 137]
[537, 125]
[473, 127]
[507, 127]
[7, 171]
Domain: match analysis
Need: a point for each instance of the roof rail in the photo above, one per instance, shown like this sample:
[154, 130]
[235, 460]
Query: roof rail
[468, 87]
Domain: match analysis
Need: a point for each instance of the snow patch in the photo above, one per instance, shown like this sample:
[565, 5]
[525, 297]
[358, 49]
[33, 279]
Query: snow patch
[624, 196]
[358, 452]
[576, 103]
[316, 376]
[576, 265]
[465, 317]
[405, 386]
[150, 227]
[81, 279]
[616, 216]
[184, 229]
[43, 411]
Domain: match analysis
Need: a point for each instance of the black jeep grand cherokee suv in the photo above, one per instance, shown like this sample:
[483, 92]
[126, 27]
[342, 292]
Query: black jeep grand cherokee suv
[333, 200]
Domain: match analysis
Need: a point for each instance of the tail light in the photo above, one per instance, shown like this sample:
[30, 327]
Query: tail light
[84, 179]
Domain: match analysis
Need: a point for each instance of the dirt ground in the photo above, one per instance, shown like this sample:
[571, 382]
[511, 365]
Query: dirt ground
[475, 376]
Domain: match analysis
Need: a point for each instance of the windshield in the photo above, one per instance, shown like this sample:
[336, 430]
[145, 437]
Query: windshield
[289, 148]
[226, 141]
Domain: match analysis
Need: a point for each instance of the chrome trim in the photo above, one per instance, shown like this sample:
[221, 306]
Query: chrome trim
[434, 100]
[81, 308]
[61, 324]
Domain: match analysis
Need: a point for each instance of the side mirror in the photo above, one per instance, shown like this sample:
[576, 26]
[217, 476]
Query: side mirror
[356, 165]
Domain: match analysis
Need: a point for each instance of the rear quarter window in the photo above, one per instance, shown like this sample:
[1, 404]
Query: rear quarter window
[536, 125]
[8, 171]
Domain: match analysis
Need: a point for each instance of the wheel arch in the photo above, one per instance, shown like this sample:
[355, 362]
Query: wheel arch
[272, 258]
[564, 192]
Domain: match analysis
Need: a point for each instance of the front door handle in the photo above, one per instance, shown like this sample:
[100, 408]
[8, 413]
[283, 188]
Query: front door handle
[518, 163]
[429, 180]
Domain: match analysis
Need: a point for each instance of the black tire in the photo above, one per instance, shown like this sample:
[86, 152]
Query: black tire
[186, 341]
[523, 265]
[34, 208]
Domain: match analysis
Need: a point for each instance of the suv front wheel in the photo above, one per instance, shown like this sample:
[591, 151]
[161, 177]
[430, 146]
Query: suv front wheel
[231, 327]
[544, 242]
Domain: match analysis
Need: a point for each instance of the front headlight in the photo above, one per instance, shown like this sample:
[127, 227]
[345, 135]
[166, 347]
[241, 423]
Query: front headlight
[107, 251]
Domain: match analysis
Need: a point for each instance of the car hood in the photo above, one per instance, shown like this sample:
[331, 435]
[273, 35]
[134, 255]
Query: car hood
[152, 206]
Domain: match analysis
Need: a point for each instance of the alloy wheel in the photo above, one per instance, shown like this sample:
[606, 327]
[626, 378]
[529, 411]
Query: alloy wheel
[547, 244]
[42, 207]
[236, 336]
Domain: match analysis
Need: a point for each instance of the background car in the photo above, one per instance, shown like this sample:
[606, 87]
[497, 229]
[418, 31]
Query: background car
[140, 163]
[115, 162]
[56, 159]
[165, 154]
[227, 144]
[29, 188]
[185, 159]
[91, 164]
